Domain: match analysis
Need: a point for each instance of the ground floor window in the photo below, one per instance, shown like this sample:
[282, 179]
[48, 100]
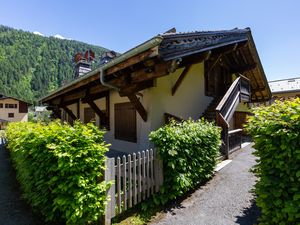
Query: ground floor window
[11, 115]
[125, 122]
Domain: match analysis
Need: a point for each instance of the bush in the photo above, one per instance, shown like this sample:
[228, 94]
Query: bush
[276, 133]
[59, 168]
[189, 153]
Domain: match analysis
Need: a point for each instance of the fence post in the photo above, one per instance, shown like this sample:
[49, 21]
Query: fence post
[109, 175]
[158, 171]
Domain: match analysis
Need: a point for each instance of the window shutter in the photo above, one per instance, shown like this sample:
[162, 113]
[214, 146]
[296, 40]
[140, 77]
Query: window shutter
[125, 122]
[23, 107]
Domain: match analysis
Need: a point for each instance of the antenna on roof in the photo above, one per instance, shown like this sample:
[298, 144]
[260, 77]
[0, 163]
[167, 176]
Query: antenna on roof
[172, 30]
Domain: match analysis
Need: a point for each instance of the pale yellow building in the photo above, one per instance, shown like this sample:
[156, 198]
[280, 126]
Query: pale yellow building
[179, 75]
[12, 110]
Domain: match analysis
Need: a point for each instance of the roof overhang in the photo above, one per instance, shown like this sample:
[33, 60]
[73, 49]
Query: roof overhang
[155, 58]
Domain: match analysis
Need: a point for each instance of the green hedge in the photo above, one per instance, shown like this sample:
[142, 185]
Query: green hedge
[59, 168]
[189, 153]
[276, 133]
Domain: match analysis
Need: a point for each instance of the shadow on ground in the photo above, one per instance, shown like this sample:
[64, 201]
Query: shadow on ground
[250, 215]
[13, 209]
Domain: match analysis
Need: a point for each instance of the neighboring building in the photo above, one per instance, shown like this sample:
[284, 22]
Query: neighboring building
[180, 75]
[285, 88]
[12, 109]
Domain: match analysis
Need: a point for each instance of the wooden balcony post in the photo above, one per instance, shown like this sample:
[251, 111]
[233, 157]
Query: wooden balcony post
[226, 142]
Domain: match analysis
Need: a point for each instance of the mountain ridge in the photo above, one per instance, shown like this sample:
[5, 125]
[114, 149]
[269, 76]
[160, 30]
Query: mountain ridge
[32, 65]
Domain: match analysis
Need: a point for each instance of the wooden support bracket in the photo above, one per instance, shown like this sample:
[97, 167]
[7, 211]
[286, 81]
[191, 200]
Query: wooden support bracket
[69, 112]
[180, 79]
[138, 106]
[101, 114]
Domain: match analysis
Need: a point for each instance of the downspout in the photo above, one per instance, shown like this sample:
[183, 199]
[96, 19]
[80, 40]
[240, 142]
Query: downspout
[102, 81]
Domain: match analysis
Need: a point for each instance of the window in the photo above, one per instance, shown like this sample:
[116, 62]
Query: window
[11, 106]
[11, 115]
[1, 105]
[125, 122]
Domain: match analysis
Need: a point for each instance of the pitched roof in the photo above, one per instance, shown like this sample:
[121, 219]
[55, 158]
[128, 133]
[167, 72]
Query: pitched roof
[176, 45]
[6, 97]
[285, 85]
[179, 45]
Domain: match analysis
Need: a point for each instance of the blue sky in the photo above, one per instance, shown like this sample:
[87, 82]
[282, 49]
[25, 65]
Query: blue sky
[121, 25]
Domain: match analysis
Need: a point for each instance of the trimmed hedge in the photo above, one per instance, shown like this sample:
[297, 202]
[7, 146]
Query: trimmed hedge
[59, 168]
[189, 152]
[276, 133]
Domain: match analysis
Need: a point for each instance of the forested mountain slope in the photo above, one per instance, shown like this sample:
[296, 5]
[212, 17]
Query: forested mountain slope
[32, 65]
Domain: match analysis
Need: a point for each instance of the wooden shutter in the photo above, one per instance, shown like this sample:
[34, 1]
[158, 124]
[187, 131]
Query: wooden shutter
[23, 107]
[125, 122]
[89, 115]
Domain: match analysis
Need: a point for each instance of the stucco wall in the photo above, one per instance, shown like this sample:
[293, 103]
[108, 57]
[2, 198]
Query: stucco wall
[17, 116]
[188, 102]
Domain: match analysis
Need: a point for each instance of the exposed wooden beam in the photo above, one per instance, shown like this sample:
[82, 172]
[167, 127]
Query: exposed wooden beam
[158, 70]
[65, 103]
[101, 114]
[196, 58]
[78, 109]
[92, 97]
[69, 112]
[133, 60]
[138, 106]
[243, 68]
[180, 79]
[133, 88]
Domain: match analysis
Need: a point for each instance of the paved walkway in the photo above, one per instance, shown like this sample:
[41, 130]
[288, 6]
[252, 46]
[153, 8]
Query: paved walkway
[225, 200]
[13, 210]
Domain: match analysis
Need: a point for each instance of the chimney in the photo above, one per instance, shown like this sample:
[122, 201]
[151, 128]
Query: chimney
[83, 65]
[107, 56]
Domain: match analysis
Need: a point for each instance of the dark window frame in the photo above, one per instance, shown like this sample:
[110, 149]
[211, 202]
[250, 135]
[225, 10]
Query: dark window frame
[11, 115]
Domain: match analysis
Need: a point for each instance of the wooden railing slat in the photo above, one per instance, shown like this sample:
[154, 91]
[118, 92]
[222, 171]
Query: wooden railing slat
[134, 180]
[119, 202]
[124, 183]
[130, 180]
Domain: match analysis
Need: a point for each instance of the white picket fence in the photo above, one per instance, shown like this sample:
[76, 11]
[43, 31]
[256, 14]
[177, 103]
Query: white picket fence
[136, 177]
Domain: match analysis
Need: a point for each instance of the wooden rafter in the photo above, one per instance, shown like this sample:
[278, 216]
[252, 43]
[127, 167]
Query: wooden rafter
[138, 106]
[134, 88]
[92, 97]
[180, 79]
[243, 69]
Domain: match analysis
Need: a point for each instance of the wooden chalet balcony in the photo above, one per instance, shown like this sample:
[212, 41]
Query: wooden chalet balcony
[239, 91]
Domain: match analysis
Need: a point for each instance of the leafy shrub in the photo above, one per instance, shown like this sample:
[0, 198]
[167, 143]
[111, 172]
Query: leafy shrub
[189, 153]
[59, 168]
[276, 133]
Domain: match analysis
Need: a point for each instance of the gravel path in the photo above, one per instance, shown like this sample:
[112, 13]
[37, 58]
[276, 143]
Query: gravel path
[224, 200]
[13, 210]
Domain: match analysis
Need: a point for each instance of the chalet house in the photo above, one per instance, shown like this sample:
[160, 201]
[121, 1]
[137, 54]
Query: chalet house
[285, 88]
[12, 110]
[181, 75]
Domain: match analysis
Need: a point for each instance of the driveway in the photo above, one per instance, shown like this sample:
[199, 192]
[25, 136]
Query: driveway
[13, 210]
[225, 200]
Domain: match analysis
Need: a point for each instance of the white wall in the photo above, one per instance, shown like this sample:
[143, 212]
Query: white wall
[17, 116]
